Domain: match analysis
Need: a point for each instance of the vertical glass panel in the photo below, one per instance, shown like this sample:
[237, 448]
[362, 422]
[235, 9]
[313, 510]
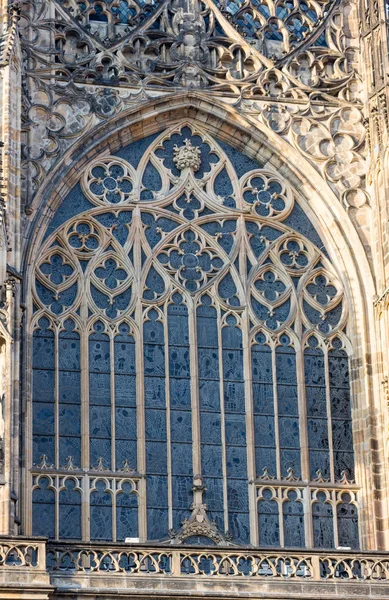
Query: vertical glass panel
[70, 512]
[317, 418]
[69, 399]
[155, 427]
[288, 414]
[180, 409]
[268, 520]
[43, 387]
[323, 523]
[293, 516]
[125, 399]
[43, 510]
[235, 431]
[210, 412]
[347, 514]
[263, 404]
[101, 513]
[100, 397]
[342, 435]
[126, 513]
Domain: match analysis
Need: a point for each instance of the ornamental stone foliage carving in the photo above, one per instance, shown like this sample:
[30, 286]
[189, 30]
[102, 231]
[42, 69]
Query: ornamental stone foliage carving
[111, 56]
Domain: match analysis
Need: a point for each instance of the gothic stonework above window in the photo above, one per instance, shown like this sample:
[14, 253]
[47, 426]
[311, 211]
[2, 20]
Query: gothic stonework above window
[189, 326]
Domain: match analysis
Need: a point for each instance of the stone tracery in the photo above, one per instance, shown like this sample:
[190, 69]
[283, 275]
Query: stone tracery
[188, 245]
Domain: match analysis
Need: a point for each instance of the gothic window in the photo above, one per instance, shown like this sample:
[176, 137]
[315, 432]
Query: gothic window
[189, 352]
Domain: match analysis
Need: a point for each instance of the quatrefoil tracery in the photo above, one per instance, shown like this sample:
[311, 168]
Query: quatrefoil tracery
[201, 226]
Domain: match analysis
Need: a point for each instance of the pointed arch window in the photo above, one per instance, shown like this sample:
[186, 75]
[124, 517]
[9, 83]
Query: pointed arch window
[190, 352]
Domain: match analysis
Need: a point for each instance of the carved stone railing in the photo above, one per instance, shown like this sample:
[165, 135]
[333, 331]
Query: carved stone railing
[22, 552]
[168, 561]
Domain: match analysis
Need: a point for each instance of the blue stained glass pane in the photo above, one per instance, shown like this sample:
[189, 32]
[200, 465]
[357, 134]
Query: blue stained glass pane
[234, 396]
[289, 432]
[156, 425]
[264, 431]
[293, 512]
[211, 460]
[43, 510]
[125, 423]
[126, 450]
[157, 507]
[70, 512]
[180, 426]
[125, 390]
[235, 428]
[319, 460]
[268, 521]
[69, 387]
[322, 516]
[182, 492]
[209, 392]
[213, 495]
[344, 461]
[124, 357]
[43, 356]
[154, 359]
[261, 365]
[126, 514]
[290, 459]
[101, 513]
[100, 421]
[99, 354]
[210, 425]
[232, 364]
[100, 388]
[156, 457]
[265, 458]
[239, 526]
[181, 459]
[100, 448]
[69, 419]
[287, 400]
[43, 418]
[316, 401]
[43, 444]
[69, 446]
[236, 462]
[180, 393]
[155, 392]
[68, 354]
[208, 363]
[347, 515]
[43, 385]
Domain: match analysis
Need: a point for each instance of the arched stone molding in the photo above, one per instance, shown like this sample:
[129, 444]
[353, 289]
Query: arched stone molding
[321, 206]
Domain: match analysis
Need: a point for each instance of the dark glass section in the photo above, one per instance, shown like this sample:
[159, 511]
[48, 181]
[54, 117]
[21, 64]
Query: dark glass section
[268, 520]
[69, 398]
[43, 509]
[347, 514]
[126, 513]
[100, 398]
[293, 513]
[70, 512]
[101, 513]
[323, 522]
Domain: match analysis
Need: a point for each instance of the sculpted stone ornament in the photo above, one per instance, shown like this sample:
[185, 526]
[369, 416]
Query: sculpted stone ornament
[187, 156]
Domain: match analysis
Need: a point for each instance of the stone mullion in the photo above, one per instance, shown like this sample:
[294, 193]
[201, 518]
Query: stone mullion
[222, 418]
[249, 403]
[56, 398]
[85, 449]
[168, 421]
[275, 401]
[112, 384]
[139, 374]
[194, 390]
[329, 415]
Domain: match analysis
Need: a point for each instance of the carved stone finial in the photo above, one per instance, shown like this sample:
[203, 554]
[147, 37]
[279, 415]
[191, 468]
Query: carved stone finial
[291, 476]
[266, 475]
[344, 480]
[126, 468]
[320, 478]
[100, 464]
[70, 466]
[187, 156]
[44, 464]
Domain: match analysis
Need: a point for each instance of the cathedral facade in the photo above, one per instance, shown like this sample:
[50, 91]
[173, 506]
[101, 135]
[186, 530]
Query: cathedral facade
[194, 296]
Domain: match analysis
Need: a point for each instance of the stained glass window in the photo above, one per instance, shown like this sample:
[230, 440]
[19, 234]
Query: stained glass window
[189, 351]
